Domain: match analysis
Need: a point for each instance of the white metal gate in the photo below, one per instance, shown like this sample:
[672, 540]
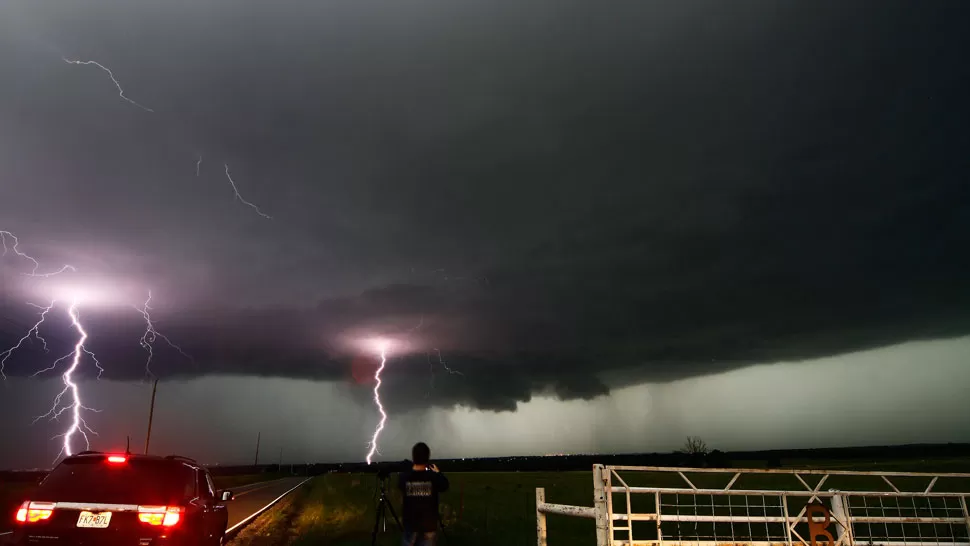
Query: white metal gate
[660, 506]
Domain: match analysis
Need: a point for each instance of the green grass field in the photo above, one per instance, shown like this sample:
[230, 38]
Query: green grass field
[481, 509]
[499, 508]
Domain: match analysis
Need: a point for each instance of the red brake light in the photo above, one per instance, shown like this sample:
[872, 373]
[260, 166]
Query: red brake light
[166, 516]
[117, 459]
[32, 512]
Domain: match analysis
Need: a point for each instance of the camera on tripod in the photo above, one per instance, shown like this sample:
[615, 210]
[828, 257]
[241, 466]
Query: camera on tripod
[384, 470]
[383, 503]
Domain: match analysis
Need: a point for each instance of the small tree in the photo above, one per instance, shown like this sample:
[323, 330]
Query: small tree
[695, 446]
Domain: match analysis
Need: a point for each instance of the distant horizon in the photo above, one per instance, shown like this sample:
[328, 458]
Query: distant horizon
[965, 445]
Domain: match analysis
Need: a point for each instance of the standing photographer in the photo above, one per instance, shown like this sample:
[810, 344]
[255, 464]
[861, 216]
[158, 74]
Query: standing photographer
[420, 487]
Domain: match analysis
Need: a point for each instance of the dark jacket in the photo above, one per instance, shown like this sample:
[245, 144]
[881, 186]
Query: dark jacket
[420, 491]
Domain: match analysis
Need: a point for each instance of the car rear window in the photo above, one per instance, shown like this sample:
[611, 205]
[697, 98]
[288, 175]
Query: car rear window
[94, 479]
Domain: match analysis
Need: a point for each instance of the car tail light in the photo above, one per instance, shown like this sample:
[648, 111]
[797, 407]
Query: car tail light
[117, 459]
[32, 512]
[166, 516]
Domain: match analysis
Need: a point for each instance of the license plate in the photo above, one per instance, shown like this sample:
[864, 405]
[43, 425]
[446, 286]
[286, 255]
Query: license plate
[90, 520]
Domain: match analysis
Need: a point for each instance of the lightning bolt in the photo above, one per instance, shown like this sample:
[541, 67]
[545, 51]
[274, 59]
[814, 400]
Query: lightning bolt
[71, 390]
[68, 400]
[380, 407]
[147, 340]
[198, 164]
[431, 382]
[121, 92]
[15, 247]
[240, 197]
[53, 366]
[75, 405]
[445, 365]
[33, 332]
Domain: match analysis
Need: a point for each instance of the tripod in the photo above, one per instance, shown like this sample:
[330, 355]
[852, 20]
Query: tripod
[382, 506]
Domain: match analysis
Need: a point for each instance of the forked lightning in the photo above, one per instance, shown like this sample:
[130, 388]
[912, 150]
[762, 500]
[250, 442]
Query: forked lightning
[71, 390]
[34, 333]
[75, 405]
[14, 246]
[147, 340]
[68, 400]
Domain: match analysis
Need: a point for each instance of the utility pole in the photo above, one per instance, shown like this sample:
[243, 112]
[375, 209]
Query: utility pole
[151, 414]
[256, 462]
[280, 464]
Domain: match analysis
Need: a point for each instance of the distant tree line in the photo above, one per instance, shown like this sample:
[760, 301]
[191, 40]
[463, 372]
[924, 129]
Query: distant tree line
[694, 453]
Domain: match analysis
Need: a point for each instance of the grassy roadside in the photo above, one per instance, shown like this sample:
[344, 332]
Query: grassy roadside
[482, 509]
[330, 509]
[336, 509]
[273, 526]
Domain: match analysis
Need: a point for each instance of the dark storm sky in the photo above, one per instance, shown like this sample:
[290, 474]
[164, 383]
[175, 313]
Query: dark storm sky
[564, 198]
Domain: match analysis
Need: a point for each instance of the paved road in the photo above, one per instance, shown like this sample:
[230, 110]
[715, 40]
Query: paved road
[251, 498]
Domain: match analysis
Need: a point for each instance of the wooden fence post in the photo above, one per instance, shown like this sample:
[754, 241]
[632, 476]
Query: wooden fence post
[540, 516]
[599, 504]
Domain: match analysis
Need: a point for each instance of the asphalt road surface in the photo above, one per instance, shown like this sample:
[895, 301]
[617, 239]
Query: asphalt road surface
[249, 499]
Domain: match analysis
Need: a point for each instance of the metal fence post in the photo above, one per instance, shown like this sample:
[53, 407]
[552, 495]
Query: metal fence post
[603, 537]
[966, 511]
[540, 516]
[842, 523]
[788, 523]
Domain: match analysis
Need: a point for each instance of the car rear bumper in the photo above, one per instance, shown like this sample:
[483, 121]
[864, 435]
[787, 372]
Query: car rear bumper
[22, 538]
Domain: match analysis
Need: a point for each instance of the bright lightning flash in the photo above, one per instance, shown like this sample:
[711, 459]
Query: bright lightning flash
[71, 390]
[74, 404]
[382, 347]
[69, 399]
[121, 92]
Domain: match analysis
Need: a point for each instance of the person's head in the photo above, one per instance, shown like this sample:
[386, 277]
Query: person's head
[420, 453]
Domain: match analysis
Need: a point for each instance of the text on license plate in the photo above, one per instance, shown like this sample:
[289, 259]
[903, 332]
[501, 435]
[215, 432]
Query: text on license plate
[94, 521]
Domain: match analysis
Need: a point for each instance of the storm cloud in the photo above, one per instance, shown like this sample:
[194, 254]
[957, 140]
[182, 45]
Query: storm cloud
[549, 197]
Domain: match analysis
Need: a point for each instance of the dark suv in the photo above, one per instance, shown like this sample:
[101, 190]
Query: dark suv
[100, 499]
